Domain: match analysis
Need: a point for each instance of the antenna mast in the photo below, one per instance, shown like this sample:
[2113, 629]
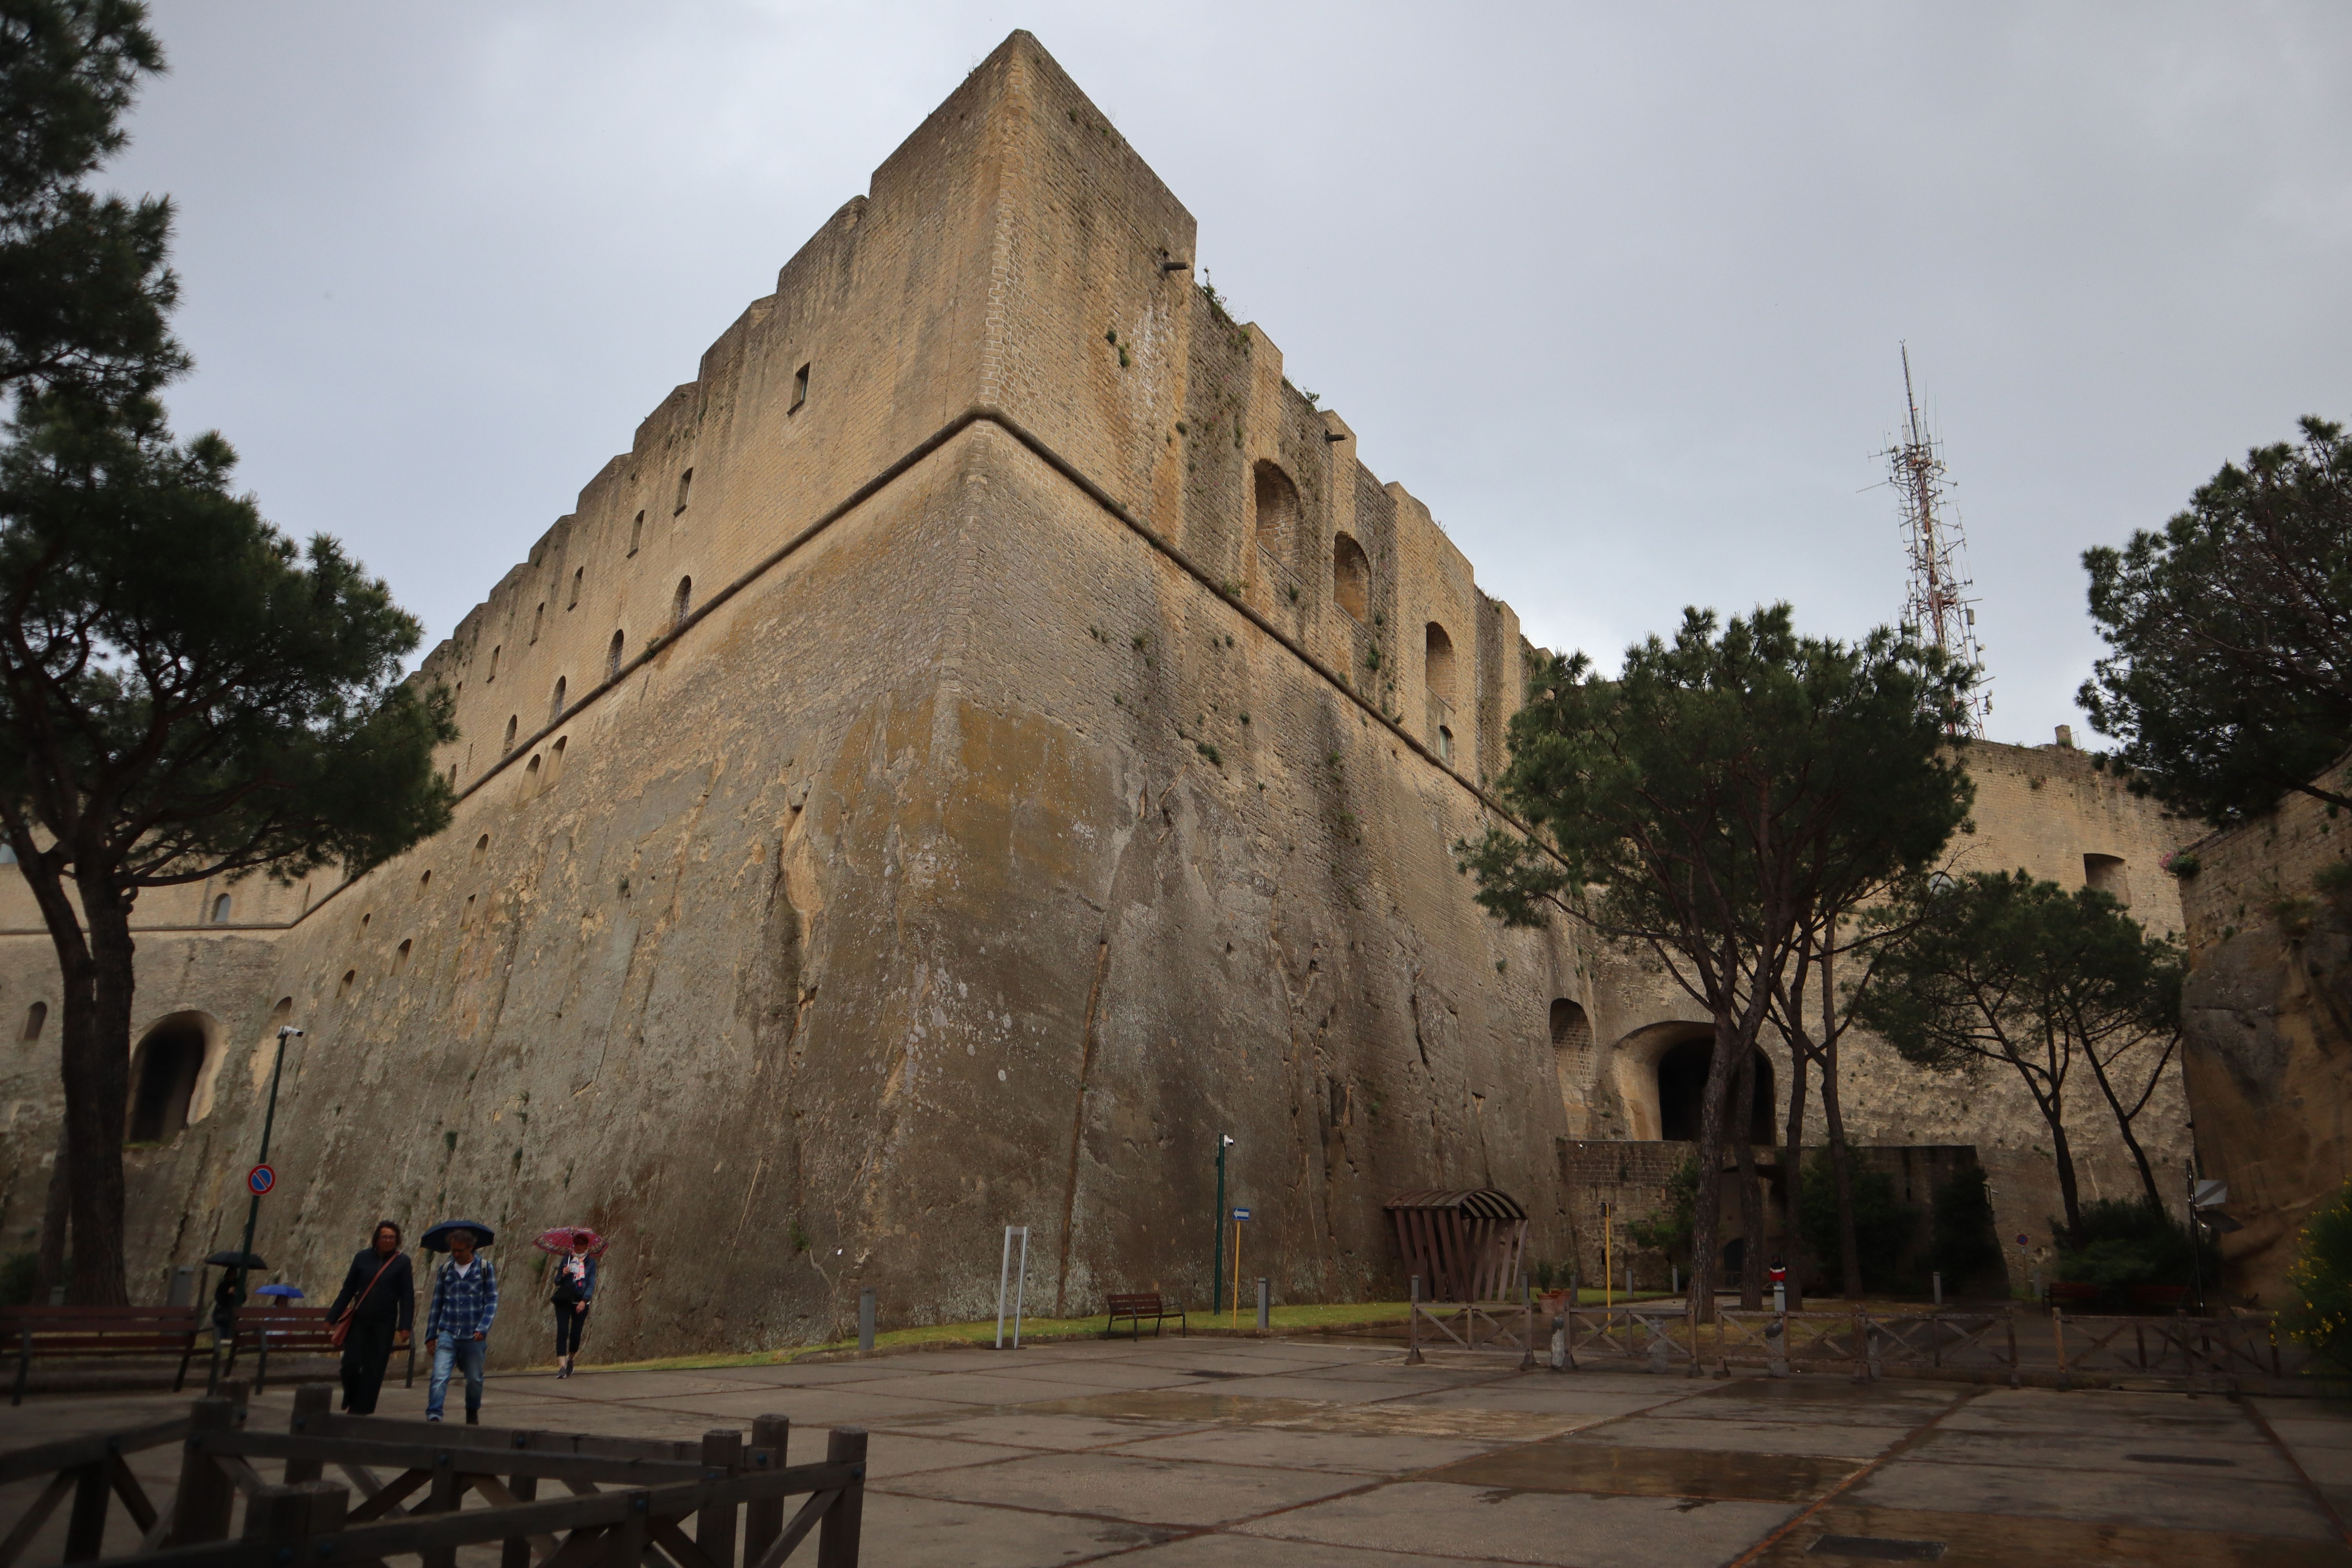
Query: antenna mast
[1936, 605]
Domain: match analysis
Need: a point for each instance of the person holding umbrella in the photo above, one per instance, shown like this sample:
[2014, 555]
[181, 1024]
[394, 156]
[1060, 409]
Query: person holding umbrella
[371, 1315]
[576, 1247]
[465, 1303]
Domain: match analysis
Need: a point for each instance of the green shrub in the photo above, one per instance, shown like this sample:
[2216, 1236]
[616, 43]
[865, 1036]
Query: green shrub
[2127, 1242]
[2320, 1311]
[18, 1271]
[1883, 1224]
[1669, 1231]
[1964, 1243]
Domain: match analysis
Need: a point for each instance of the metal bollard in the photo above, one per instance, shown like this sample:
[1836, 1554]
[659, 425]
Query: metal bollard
[1939, 1277]
[1675, 1275]
[1781, 1298]
[1559, 1343]
[1265, 1304]
[865, 1318]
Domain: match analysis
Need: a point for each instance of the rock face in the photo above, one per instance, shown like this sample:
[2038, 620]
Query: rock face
[2267, 1033]
[989, 737]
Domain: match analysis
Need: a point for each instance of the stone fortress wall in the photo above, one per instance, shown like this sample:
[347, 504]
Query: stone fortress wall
[989, 736]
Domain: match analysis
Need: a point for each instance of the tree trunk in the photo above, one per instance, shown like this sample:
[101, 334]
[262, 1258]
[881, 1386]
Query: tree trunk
[97, 1061]
[49, 1262]
[2067, 1191]
[1741, 1126]
[1840, 1177]
[1792, 1177]
[1708, 1204]
[2123, 1122]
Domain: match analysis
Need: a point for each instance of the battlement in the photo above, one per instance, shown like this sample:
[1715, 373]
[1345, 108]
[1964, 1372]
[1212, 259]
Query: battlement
[1014, 257]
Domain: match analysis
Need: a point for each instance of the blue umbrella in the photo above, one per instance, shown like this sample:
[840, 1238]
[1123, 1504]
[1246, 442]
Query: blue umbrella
[291, 1293]
[437, 1238]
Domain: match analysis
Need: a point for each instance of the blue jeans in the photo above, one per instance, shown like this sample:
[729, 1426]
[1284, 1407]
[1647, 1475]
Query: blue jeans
[455, 1354]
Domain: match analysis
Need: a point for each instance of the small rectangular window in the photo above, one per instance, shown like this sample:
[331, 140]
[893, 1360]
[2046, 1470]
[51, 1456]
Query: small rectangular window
[578, 576]
[685, 483]
[636, 533]
[799, 389]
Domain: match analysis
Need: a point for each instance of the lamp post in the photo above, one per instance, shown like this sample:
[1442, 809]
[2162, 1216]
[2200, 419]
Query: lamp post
[1217, 1272]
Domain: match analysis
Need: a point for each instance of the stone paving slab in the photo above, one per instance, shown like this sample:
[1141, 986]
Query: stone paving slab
[2172, 1501]
[1580, 1465]
[1220, 1550]
[1143, 1491]
[1841, 1439]
[1035, 1429]
[1346, 1452]
[1567, 1528]
[1995, 1541]
[902, 1528]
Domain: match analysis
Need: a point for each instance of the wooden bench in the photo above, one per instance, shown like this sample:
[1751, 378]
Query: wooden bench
[92, 1333]
[2070, 1293]
[292, 1331]
[1136, 1306]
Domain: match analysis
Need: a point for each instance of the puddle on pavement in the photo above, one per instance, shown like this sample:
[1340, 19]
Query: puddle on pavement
[1423, 1421]
[1995, 1541]
[1569, 1464]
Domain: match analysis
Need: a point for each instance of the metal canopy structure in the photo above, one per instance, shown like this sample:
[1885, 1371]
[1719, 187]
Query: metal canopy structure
[1467, 1246]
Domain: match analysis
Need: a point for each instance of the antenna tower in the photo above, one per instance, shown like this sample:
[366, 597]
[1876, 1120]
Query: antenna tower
[1937, 606]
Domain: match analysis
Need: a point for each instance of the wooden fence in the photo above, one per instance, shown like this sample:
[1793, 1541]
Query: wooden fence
[632, 1503]
[2007, 1346]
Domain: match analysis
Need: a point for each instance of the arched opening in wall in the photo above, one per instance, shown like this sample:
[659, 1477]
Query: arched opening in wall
[1277, 500]
[164, 1071]
[1682, 1094]
[1570, 1029]
[1352, 576]
[2105, 874]
[494, 668]
[636, 533]
[1444, 745]
[220, 910]
[612, 658]
[555, 759]
[36, 1017]
[681, 602]
[507, 745]
[1437, 662]
[579, 576]
[685, 488]
[555, 704]
[1571, 1047]
[400, 954]
[343, 986]
[481, 848]
[538, 619]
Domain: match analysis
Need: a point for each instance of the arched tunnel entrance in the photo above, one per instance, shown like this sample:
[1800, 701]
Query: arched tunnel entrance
[1682, 1093]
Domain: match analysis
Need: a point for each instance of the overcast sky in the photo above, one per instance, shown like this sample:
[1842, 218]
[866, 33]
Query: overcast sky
[1616, 290]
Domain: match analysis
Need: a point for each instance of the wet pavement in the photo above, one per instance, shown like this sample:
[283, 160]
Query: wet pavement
[1318, 1454]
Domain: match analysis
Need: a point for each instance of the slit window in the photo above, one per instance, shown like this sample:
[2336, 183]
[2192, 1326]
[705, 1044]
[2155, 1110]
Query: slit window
[494, 668]
[555, 704]
[636, 533]
[681, 602]
[612, 658]
[799, 389]
[220, 910]
[579, 576]
[36, 1017]
[400, 954]
[512, 720]
[685, 487]
[1444, 744]
[538, 619]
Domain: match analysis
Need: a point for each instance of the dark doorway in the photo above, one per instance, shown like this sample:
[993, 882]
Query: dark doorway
[163, 1080]
[1682, 1093]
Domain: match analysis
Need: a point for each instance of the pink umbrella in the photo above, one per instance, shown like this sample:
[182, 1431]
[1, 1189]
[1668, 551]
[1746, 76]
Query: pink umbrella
[563, 1238]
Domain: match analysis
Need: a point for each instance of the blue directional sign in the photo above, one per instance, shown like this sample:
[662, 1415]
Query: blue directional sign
[1240, 1214]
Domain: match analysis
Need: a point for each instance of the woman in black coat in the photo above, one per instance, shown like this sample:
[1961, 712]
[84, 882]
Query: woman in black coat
[378, 1299]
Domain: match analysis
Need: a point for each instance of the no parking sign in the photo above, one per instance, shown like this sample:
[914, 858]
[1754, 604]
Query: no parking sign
[259, 1180]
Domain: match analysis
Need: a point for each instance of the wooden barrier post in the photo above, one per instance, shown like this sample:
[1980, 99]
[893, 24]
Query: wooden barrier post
[297, 1513]
[311, 1401]
[763, 1518]
[836, 1540]
[714, 1526]
[200, 1509]
[85, 1526]
[515, 1550]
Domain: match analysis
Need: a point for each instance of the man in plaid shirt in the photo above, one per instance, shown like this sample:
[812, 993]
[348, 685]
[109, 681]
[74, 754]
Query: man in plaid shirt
[456, 1331]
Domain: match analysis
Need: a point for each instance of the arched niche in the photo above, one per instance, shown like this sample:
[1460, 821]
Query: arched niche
[1653, 1068]
[1352, 576]
[170, 1069]
[1276, 505]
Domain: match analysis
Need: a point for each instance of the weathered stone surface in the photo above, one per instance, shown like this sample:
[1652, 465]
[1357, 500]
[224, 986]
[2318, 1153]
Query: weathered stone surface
[989, 736]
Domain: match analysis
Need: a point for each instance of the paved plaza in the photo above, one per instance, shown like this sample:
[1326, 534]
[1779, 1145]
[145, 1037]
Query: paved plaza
[1332, 1454]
